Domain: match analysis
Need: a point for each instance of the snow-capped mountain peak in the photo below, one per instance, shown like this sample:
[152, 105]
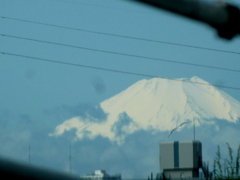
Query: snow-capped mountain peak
[160, 105]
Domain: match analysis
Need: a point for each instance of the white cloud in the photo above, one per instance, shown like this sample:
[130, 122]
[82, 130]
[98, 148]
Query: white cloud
[79, 124]
[88, 127]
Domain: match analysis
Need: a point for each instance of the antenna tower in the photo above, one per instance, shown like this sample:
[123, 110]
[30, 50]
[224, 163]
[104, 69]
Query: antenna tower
[29, 154]
[70, 159]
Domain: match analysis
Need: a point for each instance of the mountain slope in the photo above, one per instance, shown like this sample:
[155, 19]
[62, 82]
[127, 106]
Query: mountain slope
[157, 105]
[162, 104]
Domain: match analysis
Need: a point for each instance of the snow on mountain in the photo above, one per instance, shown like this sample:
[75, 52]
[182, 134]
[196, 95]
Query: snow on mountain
[158, 105]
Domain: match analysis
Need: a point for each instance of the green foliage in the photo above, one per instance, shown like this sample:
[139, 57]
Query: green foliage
[230, 165]
[217, 171]
[226, 168]
[237, 161]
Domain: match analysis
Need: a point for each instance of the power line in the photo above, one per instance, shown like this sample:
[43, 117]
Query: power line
[122, 54]
[110, 7]
[100, 6]
[112, 70]
[121, 36]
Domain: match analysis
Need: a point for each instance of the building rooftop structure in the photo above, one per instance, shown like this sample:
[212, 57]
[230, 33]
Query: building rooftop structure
[101, 175]
[180, 159]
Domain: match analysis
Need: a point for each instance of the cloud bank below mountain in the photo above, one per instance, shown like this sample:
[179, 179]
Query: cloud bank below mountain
[135, 158]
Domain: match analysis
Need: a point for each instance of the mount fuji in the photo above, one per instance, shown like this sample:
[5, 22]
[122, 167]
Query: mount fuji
[156, 105]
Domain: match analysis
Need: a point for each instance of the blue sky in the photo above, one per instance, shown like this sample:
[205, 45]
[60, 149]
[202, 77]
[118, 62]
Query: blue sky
[31, 89]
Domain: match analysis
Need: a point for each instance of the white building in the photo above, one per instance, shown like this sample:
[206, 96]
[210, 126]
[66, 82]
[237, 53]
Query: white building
[101, 175]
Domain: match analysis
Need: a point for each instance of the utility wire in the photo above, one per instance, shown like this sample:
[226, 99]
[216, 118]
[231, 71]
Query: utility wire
[110, 7]
[121, 36]
[121, 54]
[112, 70]
[99, 6]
